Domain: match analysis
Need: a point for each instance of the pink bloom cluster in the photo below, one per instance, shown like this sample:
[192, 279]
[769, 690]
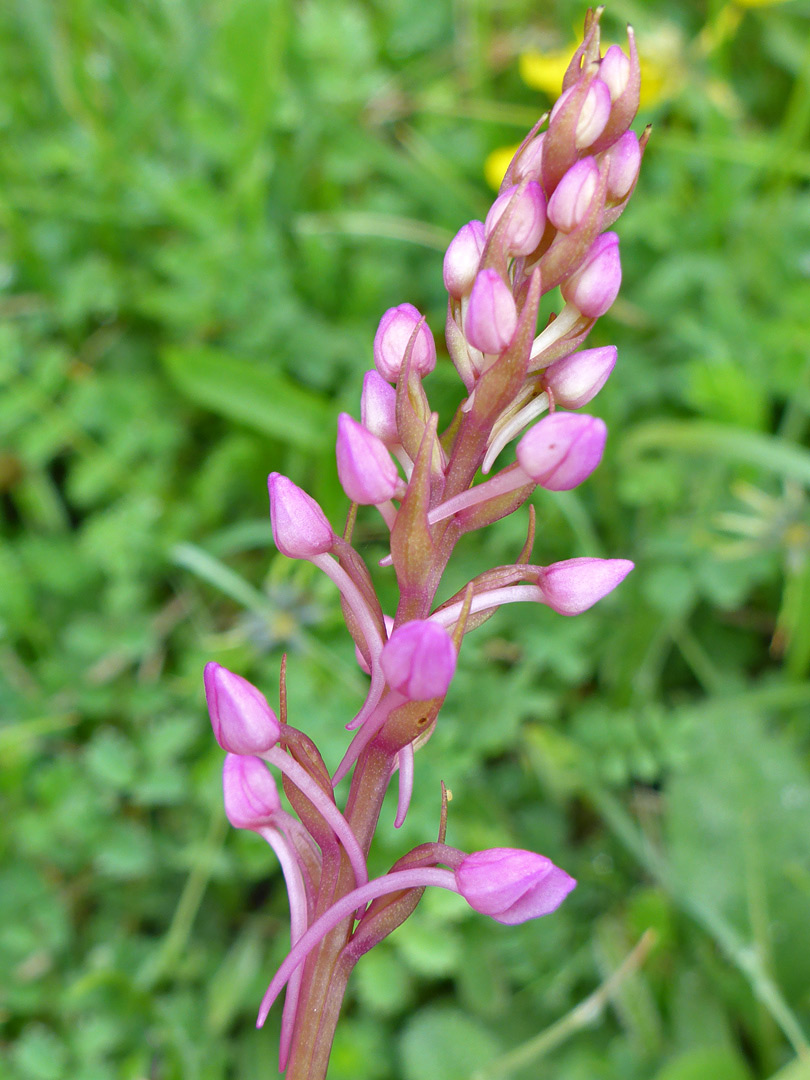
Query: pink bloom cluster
[567, 184]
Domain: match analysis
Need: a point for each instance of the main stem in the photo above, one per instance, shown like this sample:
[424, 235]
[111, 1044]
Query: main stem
[326, 974]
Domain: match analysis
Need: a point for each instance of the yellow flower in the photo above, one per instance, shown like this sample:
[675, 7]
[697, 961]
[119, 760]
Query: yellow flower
[660, 67]
[497, 163]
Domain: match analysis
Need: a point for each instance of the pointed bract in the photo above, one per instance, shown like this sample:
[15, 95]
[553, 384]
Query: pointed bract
[300, 527]
[511, 885]
[365, 469]
[419, 660]
[249, 790]
[242, 720]
[574, 585]
[562, 450]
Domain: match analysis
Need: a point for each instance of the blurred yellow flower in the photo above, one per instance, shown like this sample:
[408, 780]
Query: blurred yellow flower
[544, 71]
[497, 163]
[662, 74]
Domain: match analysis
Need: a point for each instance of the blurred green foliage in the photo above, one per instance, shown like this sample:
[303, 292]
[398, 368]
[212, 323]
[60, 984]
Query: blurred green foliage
[205, 207]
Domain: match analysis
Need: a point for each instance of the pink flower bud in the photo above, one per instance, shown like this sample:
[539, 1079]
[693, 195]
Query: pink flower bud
[593, 116]
[511, 885]
[249, 791]
[529, 166]
[419, 660]
[562, 450]
[462, 259]
[242, 720]
[572, 197]
[491, 317]
[378, 408]
[624, 162]
[391, 341]
[614, 70]
[361, 660]
[574, 585]
[300, 528]
[595, 284]
[365, 469]
[576, 379]
[527, 221]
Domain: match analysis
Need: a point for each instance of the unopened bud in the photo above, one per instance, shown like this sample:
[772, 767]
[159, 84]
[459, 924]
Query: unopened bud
[527, 220]
[574, 585]
[378, 408]
[462, 258]
[419, 660]
[249, 792]
[529, 166]
[242, 720]
[365, 469]
[614, 70]
[576, 379]
[593, 116]
[562, 450]
[595, 285]
[624, 162]
[572, 197]
[300, 528]
[391, 341]
[511, 885]
[491, 317]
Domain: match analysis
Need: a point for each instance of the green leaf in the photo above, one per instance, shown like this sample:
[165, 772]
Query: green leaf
[444, 1042]
[719, 1064]
[733, 444]
[251, 394]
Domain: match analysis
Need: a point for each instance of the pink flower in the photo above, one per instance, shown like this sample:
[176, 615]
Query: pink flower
[491, 314]
[527, 209]
[365, 469]
[624, 162]
[391, 340]
[378, 408]
[574, 585]
[300, 528]
[572, 197]
[511, 885]
[593, 115]
[562, 450]
[595, 285]
[419, 660]
[242, 720]
[614, 70]
[249, 790]
[574, 380]
[462, 258]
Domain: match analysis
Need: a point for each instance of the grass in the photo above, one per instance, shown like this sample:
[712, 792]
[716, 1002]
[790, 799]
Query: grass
[205, 207]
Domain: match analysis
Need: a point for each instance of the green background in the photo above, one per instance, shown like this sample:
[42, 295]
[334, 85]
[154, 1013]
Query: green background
[205, 206]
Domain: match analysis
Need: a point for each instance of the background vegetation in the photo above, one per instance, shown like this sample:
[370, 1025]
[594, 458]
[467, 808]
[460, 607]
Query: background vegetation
[206, 205]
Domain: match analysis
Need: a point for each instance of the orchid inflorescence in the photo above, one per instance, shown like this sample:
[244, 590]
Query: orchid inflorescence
[567, 183]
